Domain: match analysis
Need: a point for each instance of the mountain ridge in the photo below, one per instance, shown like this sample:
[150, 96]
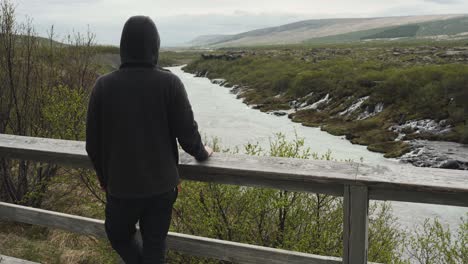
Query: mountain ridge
[308, 30]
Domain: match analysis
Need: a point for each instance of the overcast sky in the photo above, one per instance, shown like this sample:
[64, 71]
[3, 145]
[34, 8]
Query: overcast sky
[179, 21]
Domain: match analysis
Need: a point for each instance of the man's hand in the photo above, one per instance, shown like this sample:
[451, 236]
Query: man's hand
[209, 150]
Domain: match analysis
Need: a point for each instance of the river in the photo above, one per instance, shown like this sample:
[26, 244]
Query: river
[219, 114]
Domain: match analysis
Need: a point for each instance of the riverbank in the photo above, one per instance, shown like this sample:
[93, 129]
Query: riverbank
[234, 124]
[420, 153]
[375, 104]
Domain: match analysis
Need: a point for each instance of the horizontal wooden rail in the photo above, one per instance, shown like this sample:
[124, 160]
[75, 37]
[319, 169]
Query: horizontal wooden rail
[11, 260]
[356, 182]
[395, 183]
[193, 245]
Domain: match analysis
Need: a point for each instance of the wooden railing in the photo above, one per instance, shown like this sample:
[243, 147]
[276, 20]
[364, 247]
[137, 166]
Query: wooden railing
[356, 182]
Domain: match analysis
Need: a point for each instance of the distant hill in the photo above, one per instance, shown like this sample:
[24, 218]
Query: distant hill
[40, 40]
[345, 30]
[440, 29]
[203, 40]
[406, 31]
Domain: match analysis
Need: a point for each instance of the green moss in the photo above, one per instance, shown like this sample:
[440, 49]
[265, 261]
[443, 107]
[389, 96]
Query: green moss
[392, 149]
[462, 133]
[336, 129]
[274, 107]
[310, 117]
[372, 136]
[310, 124]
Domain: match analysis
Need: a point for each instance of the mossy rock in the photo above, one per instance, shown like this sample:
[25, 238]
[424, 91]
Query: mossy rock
[310, 116]
[460, 134]
[392, 149]
[335, 130]
[373, 136]
[311, 124]
[365, 125]
[274, 107]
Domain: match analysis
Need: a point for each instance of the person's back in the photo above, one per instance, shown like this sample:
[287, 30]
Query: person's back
[135, 115]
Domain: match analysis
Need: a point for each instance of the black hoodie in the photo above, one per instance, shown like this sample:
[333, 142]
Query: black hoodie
[135, 115]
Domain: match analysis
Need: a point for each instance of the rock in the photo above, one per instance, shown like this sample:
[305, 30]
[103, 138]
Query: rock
[437, 154]
[258, 106]
[218, 81]
[443, 123]
[201, 74]
[227, 56]
[235, 89]
[354, 106]
[279, 113]
[427, 59]
[450, 164]
[453, 53]
[324, 101]
[371, 111]
[427, 126]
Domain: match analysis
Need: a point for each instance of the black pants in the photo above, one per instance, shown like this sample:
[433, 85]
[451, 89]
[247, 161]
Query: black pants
[154, 217]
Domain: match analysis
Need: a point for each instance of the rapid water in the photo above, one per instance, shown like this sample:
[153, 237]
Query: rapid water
[219, 114]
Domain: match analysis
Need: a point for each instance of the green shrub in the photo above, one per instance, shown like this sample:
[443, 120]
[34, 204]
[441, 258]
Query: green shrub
[302, 222]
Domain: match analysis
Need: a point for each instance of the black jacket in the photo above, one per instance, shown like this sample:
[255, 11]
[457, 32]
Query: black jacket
[135, 115]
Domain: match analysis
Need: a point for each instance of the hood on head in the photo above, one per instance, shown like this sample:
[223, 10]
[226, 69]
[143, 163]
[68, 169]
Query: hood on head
[140, 41]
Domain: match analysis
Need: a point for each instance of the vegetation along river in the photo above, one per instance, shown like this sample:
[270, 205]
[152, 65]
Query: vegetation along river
[219, 114]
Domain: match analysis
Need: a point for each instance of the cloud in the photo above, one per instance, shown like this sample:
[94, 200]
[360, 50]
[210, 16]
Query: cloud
[176, 30]
[444, 2]
[179, 21]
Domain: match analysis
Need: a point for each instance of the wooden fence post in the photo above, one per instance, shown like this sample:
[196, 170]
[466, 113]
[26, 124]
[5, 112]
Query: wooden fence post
[355, 221]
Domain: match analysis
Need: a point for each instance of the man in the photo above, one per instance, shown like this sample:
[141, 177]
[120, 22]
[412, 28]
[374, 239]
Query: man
[135, 115]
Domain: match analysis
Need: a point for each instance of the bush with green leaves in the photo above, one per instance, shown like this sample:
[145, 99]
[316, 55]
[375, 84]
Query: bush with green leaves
[433, 243]
[304, 222]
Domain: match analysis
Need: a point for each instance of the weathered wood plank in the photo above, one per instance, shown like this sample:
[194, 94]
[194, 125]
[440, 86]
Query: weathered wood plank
[11, 260]
[73, 223]
[193, 245]
[355, 226]
[63, 152]
[400, 183]
[413, 184]
[241, 253]
[286, 174]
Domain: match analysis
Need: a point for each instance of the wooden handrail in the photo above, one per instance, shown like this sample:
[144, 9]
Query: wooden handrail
[193, 245]
[356, 182]
[10, 260]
